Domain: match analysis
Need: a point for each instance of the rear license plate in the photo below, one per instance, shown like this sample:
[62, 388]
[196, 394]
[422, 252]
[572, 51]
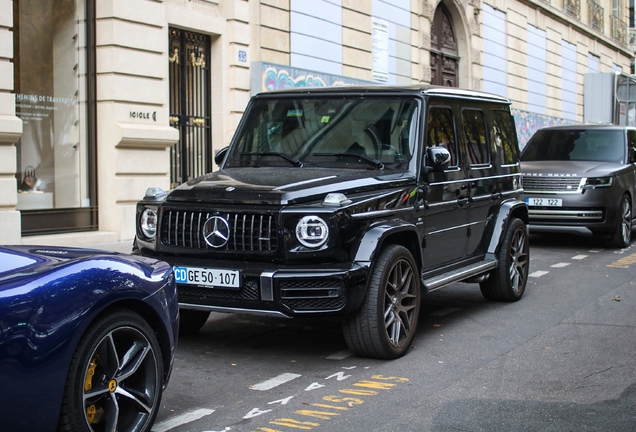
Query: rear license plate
[544, 202]
[208, 277]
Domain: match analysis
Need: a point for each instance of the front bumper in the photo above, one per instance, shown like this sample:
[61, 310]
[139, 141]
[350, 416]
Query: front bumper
[590, 213]
[283, 291]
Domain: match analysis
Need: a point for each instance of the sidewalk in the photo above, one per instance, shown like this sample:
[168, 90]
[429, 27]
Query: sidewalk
[124, 246]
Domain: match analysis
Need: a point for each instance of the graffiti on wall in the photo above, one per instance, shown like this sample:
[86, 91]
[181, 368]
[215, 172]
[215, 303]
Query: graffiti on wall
[528, 123]
[271, 76]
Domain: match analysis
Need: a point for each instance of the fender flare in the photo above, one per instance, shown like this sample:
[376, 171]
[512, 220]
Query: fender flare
[371, 243]
[507, 210]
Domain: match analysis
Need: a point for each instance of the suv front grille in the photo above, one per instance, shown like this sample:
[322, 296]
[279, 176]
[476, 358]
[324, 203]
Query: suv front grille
[251, 232]
[551, 184]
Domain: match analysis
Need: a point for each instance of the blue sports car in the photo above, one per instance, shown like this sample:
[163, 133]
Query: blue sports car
[87, 339]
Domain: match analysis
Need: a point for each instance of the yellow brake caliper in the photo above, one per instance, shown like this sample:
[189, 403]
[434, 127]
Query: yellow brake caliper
[88, 385]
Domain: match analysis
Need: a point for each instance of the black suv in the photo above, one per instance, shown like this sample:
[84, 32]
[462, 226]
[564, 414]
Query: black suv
[581, 179]
[348, 201]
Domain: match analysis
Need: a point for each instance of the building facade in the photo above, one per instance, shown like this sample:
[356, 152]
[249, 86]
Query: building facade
[101, 99]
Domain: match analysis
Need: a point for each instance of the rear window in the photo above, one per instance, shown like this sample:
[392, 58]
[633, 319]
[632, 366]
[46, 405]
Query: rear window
[576, 145]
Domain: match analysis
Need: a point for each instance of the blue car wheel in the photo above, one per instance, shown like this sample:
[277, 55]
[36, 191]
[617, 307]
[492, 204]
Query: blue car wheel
[115, 378]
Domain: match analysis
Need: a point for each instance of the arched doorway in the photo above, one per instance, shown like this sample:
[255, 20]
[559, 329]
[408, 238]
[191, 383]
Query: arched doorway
[444, 58]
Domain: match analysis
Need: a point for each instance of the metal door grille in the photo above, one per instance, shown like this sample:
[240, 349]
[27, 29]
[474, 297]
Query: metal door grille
[189, 57]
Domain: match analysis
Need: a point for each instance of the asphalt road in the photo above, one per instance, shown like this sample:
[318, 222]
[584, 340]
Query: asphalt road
[563, 358]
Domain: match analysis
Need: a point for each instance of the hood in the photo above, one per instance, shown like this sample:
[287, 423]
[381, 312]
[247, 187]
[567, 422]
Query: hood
[283, 186]
[26, 262]
[569, 168]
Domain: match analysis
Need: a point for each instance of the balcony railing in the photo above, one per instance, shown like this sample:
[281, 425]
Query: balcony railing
[596, 18]
[619, 30]
[573, 8]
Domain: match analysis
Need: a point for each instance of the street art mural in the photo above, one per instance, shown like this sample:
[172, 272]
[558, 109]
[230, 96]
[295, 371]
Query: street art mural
[270, 76]
[528, 123]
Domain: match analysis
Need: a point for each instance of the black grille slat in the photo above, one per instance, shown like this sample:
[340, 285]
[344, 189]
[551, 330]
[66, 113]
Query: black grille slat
[249, 232]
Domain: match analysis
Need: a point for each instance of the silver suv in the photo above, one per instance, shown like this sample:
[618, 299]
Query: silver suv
[580, 179]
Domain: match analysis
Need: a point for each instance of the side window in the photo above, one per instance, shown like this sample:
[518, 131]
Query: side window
[504, 138]
[631, 145]
[441, 132]
[475, 133]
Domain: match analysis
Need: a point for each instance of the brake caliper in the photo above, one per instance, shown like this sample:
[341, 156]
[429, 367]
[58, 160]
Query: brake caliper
[90, 413]
[88, 380]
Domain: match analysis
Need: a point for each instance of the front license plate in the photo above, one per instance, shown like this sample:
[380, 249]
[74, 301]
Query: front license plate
[544, 202]
[209, 277]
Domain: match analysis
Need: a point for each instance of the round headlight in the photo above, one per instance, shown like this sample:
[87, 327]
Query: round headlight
[148, 223]
[312, 231]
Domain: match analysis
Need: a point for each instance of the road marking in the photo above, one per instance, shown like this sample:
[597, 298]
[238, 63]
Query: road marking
[443, 312]
[538, 273]
[579, 257]
[182, 419]
[624, 262]
[341, 355]
[560, 265]
[274, 382]
[596, 250]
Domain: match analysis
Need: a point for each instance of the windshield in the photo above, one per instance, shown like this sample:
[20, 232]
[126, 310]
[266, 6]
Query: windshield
[576, 145]
[327, 132]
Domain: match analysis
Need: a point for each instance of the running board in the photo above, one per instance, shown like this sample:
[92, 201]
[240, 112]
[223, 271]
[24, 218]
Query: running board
[459, 275]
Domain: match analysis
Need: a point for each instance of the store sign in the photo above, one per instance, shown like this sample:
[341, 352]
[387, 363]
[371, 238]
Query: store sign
[144, 115]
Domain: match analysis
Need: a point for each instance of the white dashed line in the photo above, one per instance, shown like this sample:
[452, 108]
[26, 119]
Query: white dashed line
[443, 312]
[560, 265]
[538, 273]
[340, 355]
[596, 250]
[182, 419]
[274, 382]
[579, 257]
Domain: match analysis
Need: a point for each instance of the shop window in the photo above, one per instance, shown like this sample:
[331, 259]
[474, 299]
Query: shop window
[55, 187]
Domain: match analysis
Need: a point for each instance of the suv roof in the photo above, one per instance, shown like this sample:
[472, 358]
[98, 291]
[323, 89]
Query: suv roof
[587, 126]
[427, 90]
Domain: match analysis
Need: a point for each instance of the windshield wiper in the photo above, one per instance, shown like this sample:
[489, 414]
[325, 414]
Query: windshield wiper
[292, 160]
[376, 163]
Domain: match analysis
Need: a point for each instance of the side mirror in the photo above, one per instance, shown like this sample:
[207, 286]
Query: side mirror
[220, 156]
[437, 158]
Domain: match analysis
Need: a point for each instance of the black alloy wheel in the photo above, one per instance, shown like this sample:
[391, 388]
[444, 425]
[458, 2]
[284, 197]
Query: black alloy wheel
[622, 235]
[508, 281]
[191, 321]
[385, 324]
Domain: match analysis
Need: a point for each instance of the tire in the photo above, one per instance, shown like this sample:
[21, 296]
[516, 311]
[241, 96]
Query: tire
[508, 281]
[385, 324]
[622, 235]
[191, 321]
[115, 378]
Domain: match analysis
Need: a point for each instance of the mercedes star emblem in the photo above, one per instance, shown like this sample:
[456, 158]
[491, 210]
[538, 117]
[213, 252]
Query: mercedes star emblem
[216, 231]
